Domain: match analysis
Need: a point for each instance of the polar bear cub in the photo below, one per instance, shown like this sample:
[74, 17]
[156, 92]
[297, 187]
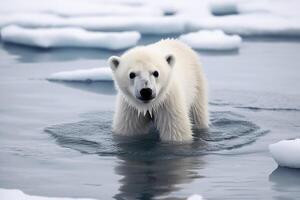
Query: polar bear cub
[163, 84]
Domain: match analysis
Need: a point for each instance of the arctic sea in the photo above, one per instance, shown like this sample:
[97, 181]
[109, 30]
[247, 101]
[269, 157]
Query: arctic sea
[55, 137]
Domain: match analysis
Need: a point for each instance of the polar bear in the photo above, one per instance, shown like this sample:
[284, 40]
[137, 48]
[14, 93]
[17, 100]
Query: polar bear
[161, 84]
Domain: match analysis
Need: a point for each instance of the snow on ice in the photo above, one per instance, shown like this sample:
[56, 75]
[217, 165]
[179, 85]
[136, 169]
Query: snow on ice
[86, 75]
[69, 37]
[212, 40]
[246, 18]
[250, 24]
[142, 24]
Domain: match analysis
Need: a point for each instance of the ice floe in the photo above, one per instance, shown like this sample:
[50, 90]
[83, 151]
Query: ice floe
[79, 8]
[286, 153]
[211, 40]
[84, 75]
[250, 24]
[195, 197]
[142, 24]
[252, 17]
[286, 8]
[258, 17]
[10, 194]
[69, 37]
[246, 18]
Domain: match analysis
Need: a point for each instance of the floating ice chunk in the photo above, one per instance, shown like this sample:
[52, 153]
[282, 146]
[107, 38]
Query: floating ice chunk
[211, 40]
[86, 75]
[195, 197]
[6, 194]
[257, 17]
[68, 37]
[142, 24]
[249, 24]
[286, 153]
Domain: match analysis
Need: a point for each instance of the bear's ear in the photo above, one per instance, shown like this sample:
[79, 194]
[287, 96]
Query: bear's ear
[114, 62]
[170, 60]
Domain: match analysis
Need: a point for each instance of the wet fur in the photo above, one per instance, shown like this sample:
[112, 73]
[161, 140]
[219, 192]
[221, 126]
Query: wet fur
[181, 102]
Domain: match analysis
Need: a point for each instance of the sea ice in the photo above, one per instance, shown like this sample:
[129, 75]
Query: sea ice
[142, 24]
[69, 8]
[258, 17]
[9, 194]
[69, 37]
[286, 8]
[250, 24]
[195, 197]
[86, 75]
[211, 40]
[286, 153]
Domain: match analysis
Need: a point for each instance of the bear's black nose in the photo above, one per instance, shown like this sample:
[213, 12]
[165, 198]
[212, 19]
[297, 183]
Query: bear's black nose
[146, 94]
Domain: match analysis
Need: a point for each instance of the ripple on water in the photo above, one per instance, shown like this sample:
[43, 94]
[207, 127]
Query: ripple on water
[93, 136]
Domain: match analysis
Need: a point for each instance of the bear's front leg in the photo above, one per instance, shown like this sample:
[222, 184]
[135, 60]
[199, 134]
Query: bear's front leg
[172, 120]
[127, 121]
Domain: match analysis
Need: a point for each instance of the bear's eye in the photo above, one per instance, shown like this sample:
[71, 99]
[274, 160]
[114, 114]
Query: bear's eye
[155, 74]
[132, 75]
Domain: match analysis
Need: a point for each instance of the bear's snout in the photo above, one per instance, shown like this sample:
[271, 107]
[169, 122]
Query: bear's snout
[146, 94]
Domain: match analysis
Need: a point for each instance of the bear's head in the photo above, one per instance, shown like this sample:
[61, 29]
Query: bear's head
[142, 75]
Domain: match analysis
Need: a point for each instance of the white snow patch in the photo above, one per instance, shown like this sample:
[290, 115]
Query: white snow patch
[86, 75]
[69, 37]
[286, 153]
[195, 197]
[9, 194]
[212, 40]
[142, 24]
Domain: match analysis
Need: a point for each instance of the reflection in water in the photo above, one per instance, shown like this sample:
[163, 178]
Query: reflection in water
[152, 178]
[150, 168]
[287, 180]
[94, 136]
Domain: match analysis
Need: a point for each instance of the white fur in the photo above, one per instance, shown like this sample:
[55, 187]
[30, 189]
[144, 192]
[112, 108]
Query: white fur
[181, 97]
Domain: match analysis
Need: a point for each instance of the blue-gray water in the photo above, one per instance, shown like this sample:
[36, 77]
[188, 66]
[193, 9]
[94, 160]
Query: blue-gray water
[55, 138]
